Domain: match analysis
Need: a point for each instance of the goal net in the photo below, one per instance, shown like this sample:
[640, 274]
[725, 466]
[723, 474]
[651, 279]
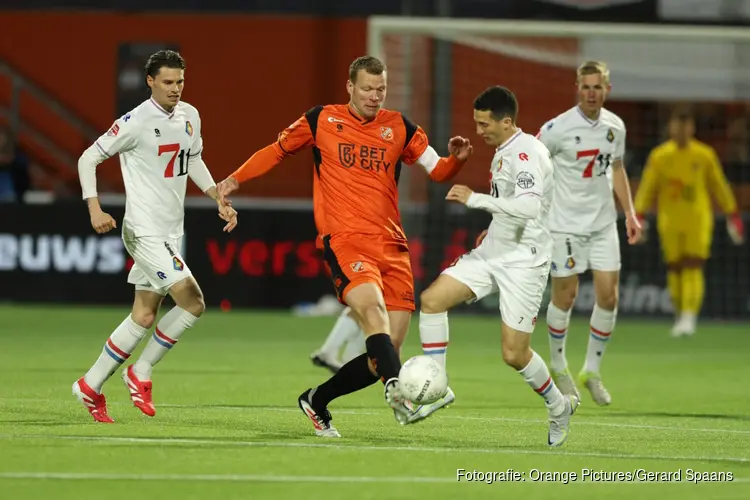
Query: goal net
[438, 66]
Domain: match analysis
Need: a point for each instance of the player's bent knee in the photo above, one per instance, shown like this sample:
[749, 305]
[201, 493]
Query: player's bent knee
[445, 293]
[516, 347]
[608, 301]
[429, 302]
[565, 298]
[564, 292]
[516, 356]
[143, 317]
[188, 296]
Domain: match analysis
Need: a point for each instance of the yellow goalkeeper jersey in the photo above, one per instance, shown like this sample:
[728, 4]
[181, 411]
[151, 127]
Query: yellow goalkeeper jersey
[683, 182]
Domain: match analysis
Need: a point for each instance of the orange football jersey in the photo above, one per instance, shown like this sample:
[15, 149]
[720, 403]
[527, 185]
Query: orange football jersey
[357, 166]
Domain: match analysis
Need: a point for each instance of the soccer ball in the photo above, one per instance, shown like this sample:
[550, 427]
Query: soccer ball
[423, 380]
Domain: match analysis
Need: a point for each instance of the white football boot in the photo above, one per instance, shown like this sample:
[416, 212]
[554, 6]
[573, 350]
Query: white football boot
[559, 425]
[424, 411]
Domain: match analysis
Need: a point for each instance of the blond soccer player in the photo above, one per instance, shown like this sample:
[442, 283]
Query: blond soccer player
[587, 144]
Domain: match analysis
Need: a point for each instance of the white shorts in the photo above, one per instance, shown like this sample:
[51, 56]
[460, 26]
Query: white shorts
[521, 288]
[158, 263]
[574, 253]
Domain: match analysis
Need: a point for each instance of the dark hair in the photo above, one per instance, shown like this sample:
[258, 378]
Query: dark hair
[371, 65]
[499, 101]
[682, 113]
[163, 59]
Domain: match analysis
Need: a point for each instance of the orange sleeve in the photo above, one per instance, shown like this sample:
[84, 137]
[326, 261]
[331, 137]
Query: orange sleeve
[294, 138]
[446, 169]
[416, 143]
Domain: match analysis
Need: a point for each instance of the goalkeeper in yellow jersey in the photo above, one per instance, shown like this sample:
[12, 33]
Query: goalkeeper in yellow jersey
[682, 174]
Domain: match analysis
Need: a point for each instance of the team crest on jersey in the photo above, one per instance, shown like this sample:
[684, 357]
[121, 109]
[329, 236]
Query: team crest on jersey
[177, 264]
[610, 135]
[189, 128]
[570, 263]
[386, 133]
[357, 267]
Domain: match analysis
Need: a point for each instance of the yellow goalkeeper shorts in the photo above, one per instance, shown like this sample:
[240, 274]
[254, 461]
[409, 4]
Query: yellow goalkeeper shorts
[681, 244]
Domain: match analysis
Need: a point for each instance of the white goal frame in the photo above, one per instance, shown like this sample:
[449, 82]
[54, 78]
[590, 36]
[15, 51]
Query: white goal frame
[377, 26]
[666, 53]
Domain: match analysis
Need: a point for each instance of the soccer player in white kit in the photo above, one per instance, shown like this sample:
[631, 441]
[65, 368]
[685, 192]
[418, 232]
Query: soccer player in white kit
[514, 258]
[587, 144]
[160, 145]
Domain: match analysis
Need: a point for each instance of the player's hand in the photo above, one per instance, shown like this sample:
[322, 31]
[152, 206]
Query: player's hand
[229, 214]
[225, 188]
[459, 193]
[634, 228]
[480, 238]
[102, 222]
[736, 229]
[460, 147]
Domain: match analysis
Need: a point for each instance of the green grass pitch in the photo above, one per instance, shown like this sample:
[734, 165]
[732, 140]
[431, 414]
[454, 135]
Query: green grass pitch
[227, 425]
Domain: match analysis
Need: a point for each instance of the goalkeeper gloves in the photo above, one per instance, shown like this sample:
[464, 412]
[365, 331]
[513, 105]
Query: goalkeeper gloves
[736, 228]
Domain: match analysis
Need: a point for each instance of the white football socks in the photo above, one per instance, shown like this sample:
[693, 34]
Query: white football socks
[602, 324]
[120, 344]
[168, 331]
[355, 345]
[434, 333]
[344, 329]
[557, 327]
[537, 376]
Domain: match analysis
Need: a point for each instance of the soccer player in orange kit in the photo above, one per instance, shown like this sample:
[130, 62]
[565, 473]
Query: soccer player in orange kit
[357, 150]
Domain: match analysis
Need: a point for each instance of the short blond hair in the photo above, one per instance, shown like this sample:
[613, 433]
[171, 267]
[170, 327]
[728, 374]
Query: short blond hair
[593, 68]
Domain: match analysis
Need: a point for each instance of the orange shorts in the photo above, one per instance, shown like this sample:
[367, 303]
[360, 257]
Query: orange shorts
[355, 259]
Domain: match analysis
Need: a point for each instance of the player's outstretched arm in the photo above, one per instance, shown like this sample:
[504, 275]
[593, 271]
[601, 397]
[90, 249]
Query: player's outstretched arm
[121, 137]
[418, 151]
[296, 137]
[722, 192]
[444, 169]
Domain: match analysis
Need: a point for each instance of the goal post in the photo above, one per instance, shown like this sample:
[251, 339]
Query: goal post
[437, 66]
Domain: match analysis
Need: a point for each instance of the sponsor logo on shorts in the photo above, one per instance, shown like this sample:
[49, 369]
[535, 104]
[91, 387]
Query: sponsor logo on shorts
[161, 275]
[177, 264]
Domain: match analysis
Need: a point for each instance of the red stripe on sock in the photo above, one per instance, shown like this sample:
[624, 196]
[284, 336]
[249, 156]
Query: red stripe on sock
[598, 332]
[435, 344]
[164, 337]
[117, 350]
[555, 330]
[544, 385]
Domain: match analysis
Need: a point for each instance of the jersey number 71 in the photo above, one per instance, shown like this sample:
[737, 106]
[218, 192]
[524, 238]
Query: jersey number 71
[176, 151]
[589, 153]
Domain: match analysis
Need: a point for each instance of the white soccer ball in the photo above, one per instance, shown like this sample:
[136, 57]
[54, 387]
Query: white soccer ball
[423, 380]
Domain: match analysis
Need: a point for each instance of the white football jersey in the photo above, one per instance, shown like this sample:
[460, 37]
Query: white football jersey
[520, 169]
[583, 152]
[155, 148]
